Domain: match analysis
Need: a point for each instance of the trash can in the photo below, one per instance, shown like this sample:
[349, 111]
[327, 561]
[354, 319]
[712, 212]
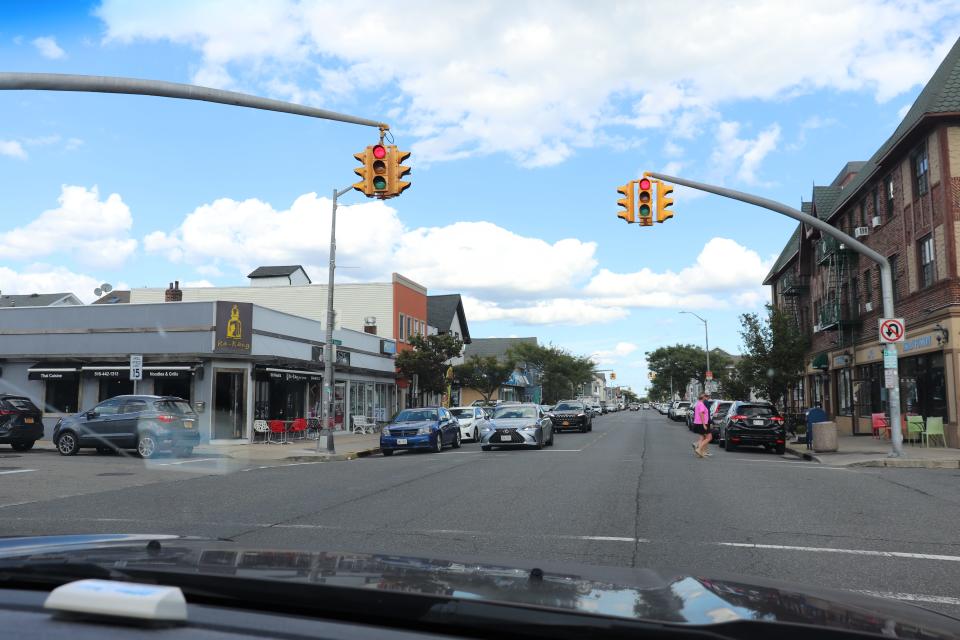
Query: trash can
[824, 436]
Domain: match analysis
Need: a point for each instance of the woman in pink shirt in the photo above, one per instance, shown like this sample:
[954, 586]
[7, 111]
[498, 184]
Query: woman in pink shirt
[701, 426]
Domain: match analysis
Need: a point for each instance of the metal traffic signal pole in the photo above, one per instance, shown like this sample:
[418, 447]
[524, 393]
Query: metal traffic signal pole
[886, 277]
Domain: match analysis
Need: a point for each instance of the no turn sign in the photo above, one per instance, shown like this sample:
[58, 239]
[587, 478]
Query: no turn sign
[892, 330]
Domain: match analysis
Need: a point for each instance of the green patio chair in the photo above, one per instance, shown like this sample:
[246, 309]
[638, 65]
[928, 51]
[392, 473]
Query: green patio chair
[934, 428]
[914, 428]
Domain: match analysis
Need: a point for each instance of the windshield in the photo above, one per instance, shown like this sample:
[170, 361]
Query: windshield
[515, 412]
[447, 279]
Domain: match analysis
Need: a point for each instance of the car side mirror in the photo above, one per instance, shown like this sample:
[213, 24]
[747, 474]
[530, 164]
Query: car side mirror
[92, 415]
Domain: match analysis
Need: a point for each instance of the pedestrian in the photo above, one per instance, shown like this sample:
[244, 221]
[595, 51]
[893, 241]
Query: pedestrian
[701, 426]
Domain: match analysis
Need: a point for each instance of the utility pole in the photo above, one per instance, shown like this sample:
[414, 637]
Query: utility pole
[327, 409]
[706, 339]
[886, 278]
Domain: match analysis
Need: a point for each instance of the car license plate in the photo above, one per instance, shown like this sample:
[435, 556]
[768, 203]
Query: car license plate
[188, 424]
[401, 441]
[566, 423]
[505, 438]
[28, 420]
[759, 423]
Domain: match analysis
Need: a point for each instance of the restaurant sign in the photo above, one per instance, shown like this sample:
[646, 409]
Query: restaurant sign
[917, 343]
[234, 326]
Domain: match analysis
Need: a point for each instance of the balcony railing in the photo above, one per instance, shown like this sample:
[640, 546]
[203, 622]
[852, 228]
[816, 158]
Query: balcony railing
[827, 247]
[833, 316]
[792, 284]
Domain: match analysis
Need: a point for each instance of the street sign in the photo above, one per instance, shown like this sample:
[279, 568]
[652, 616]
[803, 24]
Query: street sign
[892, 330]
[889, 358]
[339, 343]
[889, 378]
[136, 367]
[709, 375]
[712, 386]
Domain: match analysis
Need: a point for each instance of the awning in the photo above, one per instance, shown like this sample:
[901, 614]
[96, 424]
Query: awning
[52, 373]
[820, 361]
[118, 370]
[286, 375]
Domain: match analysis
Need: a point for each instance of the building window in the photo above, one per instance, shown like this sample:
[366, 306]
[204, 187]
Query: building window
[875, 198]
[867, 286]
[921, 169]
[862, 221]
[402, 335]
[409, 327]
[888, 191]
[844, 392]
[62, 396]
[927, 263]
[895, 276]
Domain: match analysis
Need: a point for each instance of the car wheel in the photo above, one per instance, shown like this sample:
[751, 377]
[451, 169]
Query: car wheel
[551, 438]
[539, 444]
[147, 445]
[387, 453]
[437, 448]
[183, 452]
[456, 440]
[583, 428]
[485, 447]
[22, 446]
[780, 450]
[68, 444]
[476, 435]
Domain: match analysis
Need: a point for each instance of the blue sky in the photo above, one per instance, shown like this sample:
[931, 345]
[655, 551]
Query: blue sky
[522, 124]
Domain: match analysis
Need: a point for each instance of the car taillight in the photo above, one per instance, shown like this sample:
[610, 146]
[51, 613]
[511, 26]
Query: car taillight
[739, 418]
[780, 442]
[7, 412]
[165, 418]
[776, 419]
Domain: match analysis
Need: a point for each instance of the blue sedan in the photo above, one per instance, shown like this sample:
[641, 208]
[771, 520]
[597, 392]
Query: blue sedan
[428, 428]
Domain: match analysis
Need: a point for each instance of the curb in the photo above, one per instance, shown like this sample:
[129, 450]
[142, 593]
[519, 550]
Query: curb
[804, 454]
[906, 463]
[352, 455]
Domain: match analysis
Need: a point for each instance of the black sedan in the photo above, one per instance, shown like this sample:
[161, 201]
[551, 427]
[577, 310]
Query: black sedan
[21, 423]
[753, 424]
[571, 414]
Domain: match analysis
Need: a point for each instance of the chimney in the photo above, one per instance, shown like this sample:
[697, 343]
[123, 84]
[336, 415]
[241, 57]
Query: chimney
[173, 293]
[370, 325]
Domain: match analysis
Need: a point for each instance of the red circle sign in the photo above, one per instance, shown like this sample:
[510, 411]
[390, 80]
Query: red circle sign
[891, 330]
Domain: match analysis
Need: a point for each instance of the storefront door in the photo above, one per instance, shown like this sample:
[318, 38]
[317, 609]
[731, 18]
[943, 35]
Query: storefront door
[229, 404]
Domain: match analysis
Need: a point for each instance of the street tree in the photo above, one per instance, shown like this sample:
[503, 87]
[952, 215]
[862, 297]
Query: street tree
[428, 361]
[561, 373]
[773, 353]
[484, 374]
[681, 363]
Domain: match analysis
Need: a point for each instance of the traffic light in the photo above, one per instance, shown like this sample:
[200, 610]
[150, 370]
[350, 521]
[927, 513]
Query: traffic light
[645, 200]
[663, 190]
[396, 171]
[613, 375]
[627, 202]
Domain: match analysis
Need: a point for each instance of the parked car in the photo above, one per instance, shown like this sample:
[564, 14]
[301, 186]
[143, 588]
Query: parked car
[149, 424]
[429, 428]
[604, 409]
[718, 410]
[753, 424]
[679, 410]
[634, 406]
[523, 425]
[596, 408]
[21, 422]
[471, 420]
[571, 414]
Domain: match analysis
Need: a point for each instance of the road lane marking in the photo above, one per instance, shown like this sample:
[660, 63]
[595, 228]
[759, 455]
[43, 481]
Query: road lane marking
[856, 552]
[3, 473]
[908, 597]
[167, 464]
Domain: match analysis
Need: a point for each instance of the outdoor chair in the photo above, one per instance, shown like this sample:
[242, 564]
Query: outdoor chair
[914, 428]
[299, 428]
[278, 433]
[880, 423]
[363, 425]
[261, 427]
[935, 429]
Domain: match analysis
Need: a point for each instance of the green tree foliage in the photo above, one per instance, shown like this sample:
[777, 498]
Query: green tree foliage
[427, 360]
[773, 353]
[485, 374]
[561, 373]
[683, 362]
[629, 396]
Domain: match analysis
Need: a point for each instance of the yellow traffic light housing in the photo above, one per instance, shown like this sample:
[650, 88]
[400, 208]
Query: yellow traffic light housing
[663, 190]
[396, 171]
[645, 201]
[381, 174]
[613, 375]
[365, 172]
[627, 202]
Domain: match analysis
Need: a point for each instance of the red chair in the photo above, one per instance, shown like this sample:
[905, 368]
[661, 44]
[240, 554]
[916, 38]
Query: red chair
[299, 428]
[276, 427]
[879, 423]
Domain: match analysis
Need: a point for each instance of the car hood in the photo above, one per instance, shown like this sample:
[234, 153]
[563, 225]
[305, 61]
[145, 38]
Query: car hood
[609, 591]
[512, 423]
[412, 425]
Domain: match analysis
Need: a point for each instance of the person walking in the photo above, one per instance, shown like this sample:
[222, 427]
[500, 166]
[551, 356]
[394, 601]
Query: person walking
[701, 426]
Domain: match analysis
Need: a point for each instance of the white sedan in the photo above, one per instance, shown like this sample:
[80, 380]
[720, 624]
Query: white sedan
[472, 420]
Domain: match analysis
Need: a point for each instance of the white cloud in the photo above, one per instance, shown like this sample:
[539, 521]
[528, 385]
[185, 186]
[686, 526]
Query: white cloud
[614, 355]
[42, 278]
[12, 148]
[48, 47]
[742, 156]
[506, 76]
[94, 231]
[555, 311]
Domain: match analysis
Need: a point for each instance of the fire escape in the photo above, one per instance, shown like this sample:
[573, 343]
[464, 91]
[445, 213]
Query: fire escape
[839, 310]
[792, 287]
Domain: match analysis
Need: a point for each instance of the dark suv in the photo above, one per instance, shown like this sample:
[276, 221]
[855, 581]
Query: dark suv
[753, 424]
[149, 424]
[21, 422]
[571, 414]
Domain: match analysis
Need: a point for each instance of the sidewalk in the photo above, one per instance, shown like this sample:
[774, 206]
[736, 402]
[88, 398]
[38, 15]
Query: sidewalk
[864, 451]
[348, 447]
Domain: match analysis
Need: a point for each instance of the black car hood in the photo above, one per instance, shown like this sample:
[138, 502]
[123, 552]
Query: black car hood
[608, 591]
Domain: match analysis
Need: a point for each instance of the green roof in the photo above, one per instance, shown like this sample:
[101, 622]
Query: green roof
[825, 201]
[789, 252]
[940, 95]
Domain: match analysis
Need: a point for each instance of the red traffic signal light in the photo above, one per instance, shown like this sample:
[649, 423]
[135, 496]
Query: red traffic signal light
[645, 201]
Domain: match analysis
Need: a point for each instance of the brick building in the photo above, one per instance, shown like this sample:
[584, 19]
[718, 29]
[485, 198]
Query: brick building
[904, 202]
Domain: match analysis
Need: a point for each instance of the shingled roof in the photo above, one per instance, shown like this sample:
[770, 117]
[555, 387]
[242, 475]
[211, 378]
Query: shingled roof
[442, 309]
[789, 252]
[825, 201]
[496, 347]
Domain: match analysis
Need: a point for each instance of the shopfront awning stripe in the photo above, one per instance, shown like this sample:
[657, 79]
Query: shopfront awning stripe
[51, 369]
[298, 371]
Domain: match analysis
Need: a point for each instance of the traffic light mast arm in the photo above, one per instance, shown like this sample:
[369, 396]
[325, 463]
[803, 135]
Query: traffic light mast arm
[886, 275]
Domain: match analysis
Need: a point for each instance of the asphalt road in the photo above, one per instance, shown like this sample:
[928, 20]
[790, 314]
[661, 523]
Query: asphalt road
[630, 493]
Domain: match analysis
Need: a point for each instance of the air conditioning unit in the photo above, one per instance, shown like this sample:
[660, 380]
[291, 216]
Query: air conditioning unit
[868, 306]
[860, 232]
[817, 328]
[875, 222]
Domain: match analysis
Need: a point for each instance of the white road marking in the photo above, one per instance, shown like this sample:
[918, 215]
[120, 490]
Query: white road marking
[908, 597]
[856, 552]
[3, 473]
[167, 464]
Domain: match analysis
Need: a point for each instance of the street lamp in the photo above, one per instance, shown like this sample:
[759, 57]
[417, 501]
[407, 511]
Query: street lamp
[706, 335]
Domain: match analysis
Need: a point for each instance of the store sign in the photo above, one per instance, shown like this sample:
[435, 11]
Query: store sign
[388, 347]
[115, 374]
[288, 376]
[166, 373]
[917, 343]
[889, 378]
[841, 361]
[51, 375]
[343, 357]
[234, 327]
